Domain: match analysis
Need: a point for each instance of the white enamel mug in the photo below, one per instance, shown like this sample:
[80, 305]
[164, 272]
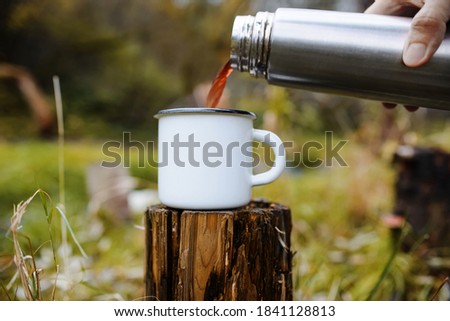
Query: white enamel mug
[206, 159]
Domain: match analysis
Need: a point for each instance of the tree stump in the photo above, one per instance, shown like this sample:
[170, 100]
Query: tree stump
[423, 198]
[239, 254]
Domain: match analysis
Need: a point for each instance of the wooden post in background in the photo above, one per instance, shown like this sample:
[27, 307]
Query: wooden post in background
[423, 200]
[240, 254]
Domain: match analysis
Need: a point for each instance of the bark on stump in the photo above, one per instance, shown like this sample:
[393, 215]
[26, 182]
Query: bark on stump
[240, 254]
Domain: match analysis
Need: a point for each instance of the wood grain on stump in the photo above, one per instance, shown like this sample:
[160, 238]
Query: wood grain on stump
[239, 254]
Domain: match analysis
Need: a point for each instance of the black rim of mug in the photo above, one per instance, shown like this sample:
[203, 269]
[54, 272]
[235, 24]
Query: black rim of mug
[197, 110]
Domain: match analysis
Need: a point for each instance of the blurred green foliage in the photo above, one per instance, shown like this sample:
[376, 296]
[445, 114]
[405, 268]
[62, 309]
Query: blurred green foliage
[340, 242]
[121, 61]
[118, 61]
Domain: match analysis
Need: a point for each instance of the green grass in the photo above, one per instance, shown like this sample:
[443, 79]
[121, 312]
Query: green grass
[343, 250]
[27, 166]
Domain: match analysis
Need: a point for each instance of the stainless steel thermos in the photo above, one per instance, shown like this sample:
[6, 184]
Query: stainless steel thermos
[351, 54]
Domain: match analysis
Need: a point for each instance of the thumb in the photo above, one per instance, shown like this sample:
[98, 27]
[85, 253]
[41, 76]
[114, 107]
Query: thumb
[427, 32]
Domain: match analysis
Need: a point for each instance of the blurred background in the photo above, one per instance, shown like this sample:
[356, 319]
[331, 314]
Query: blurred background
[118, 63]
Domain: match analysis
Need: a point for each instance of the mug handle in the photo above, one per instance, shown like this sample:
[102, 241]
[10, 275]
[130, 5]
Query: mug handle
[280, 157]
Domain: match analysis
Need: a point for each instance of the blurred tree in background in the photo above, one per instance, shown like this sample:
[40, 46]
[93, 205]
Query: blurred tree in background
[119, 61]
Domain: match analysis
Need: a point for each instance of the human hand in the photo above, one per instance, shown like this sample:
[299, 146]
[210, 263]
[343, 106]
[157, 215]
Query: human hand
[427, 30]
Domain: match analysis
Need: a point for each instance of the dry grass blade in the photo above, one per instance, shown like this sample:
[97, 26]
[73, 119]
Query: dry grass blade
[20, 259]
[6, 291]
[67, 225]
[26, 266]
[446, 281]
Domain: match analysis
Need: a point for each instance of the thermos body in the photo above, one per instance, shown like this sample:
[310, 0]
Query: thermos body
[350, 54]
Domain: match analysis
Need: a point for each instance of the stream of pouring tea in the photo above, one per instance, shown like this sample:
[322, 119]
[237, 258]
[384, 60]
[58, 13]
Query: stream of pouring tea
[218, 85]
